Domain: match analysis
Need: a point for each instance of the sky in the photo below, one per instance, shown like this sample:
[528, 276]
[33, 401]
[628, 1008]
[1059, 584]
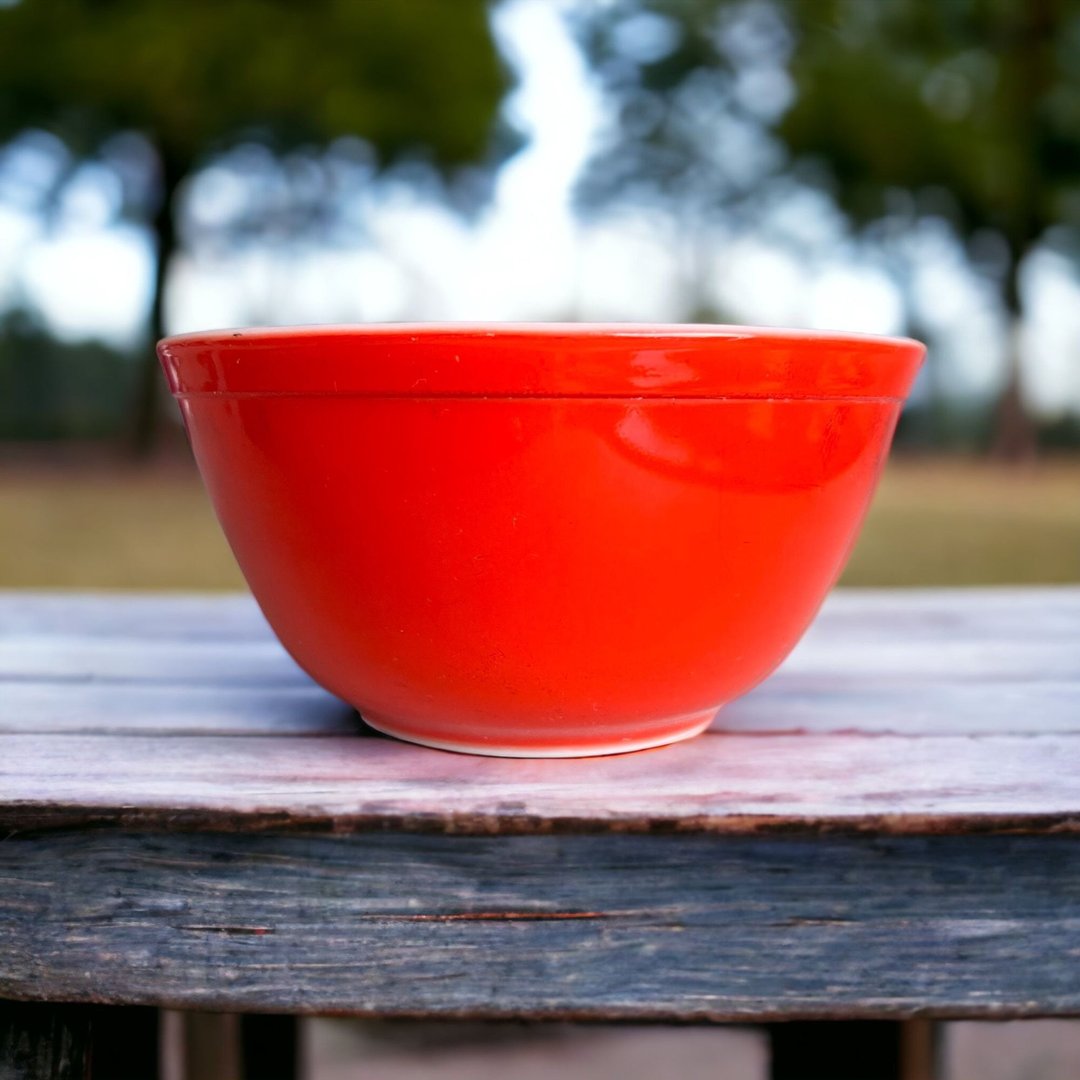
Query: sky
[526, 257]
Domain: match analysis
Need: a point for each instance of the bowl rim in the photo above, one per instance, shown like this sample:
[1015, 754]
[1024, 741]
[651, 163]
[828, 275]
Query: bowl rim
[527, 329]
[540, 359]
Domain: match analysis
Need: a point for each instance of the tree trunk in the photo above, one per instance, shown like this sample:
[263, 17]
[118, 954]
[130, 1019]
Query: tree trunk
[1026, 39]
[1014, 437]
[146, 421]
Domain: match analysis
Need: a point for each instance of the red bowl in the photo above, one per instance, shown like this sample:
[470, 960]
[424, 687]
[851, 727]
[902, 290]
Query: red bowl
[549, 540]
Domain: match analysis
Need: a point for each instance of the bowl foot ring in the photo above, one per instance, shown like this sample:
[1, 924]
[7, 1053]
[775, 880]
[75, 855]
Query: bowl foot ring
[681, 728]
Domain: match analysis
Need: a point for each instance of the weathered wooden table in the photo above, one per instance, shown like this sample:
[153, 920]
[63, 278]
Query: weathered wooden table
[888, 828]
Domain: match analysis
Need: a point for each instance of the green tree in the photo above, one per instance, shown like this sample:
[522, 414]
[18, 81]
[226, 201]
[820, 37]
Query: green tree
[965, 109]
[686, 134]
[417, 78]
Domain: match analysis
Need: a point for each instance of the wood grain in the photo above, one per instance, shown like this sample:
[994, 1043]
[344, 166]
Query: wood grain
[903, 712]
[999, 612]
[101, 708]
[939, 662]
[886, 828]
[719, 783]
[66, 659]
[684, 927]
[145, 616]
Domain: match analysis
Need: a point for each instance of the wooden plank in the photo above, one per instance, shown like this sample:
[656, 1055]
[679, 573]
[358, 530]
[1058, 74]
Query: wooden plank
[108, 708]
[163, 616]
[677, 927]
[810, 874]
[900, 613]
[949, 662]
[733, 783]
[949, 612]
[864, 655]
[783, 705]
[955, 633]
[788, 702]
[61, 658]
[44, 1042]
[840, 702]
[56, 657]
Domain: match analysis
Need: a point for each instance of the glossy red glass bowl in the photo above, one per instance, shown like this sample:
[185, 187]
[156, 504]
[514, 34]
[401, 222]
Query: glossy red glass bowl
[549, 540]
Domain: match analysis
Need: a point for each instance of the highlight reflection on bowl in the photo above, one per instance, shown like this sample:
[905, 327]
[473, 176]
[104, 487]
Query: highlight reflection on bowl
[539, 540]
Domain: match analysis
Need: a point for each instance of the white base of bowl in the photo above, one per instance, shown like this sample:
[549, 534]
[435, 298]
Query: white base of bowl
[696, 724]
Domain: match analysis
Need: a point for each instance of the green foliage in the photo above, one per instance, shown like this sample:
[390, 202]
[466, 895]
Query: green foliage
[900, 110]
[968, 109]
[53, 389]
[684, 132]
[405, 76]
[973, 105]
[413, 79]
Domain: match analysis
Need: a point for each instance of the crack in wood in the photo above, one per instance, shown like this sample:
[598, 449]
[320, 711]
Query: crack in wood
[254, 930]
[501, 916]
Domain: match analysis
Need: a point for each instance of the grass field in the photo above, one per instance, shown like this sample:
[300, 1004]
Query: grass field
[933, 523]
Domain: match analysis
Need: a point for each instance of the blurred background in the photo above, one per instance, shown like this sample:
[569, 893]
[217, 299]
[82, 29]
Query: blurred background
[888, 166]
